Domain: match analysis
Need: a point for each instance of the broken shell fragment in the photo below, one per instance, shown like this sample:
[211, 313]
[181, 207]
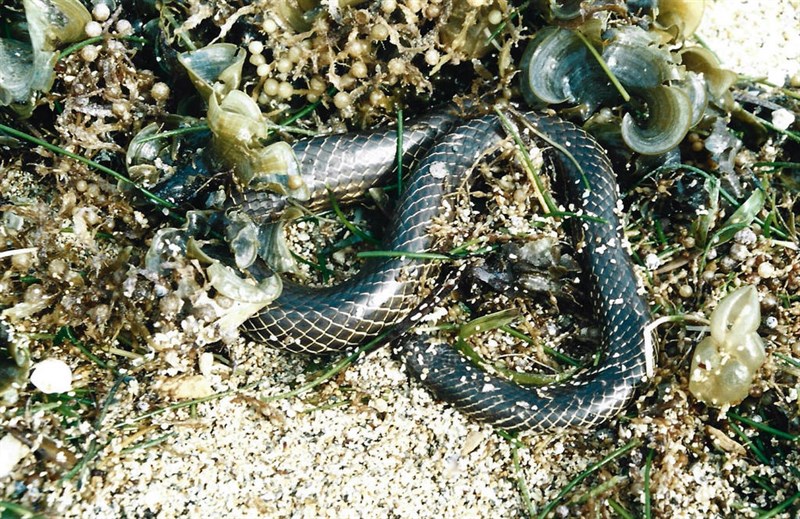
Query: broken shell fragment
[227, 283]
[52, 376]
[249, 298]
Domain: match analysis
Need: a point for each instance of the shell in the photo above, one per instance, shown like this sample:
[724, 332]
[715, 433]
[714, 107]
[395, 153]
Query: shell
[558, 68]
[239, 129]
[717, 79]
[28, 68]
[683, 16]
[241, 233]
[214, 68]
[273, 247]
[665, 99]
[669, 116]
[229, 284]
[725, 363]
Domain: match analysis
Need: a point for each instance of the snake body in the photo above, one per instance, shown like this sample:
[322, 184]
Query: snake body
[387, 290]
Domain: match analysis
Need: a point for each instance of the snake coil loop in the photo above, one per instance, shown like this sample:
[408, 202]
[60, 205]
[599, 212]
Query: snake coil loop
[386, 290]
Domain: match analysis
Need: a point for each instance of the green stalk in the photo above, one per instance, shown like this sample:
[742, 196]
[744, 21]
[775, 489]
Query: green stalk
[583, 475]
[603, 65]
[61, 151]
[400, 150]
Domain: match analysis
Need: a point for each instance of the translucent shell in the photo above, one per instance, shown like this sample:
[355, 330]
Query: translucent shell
[27, 67]
[684, 15]
[214, 68]
[229, 284]
[248, 297]
[662, 94]
[239, 129]
[725, 363]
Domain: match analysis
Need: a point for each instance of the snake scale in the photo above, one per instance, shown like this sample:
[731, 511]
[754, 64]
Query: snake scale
[443, 149]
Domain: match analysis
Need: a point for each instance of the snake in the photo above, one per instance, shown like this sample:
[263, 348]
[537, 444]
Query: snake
[442, 150]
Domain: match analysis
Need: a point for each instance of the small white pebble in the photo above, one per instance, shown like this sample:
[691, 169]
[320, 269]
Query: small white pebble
[495, 17]
[727, 264]
[89, 53]
[205, 363]
[52, 376]
[13, 452]
[766, 270]
[255, 47]
[101, 12]
[123, 27]
[782, 118]
[652, 261]
[771, 322]
[93, 29]
[738, 252]
[745, 236]
[380, 405]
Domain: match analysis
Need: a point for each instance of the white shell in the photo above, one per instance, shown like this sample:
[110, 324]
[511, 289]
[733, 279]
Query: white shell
[52, 376]
[12, 451]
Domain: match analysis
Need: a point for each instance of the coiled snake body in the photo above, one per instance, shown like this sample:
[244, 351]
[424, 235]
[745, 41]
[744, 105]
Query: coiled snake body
[386, 290]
